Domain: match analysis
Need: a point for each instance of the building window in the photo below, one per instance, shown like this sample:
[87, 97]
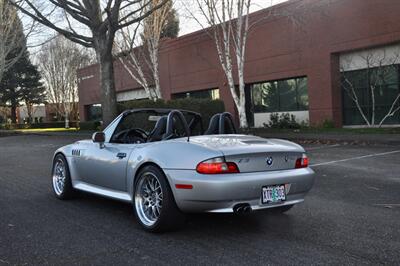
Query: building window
[212, 94]
[280, 96]
[384, 80]
[94, 112]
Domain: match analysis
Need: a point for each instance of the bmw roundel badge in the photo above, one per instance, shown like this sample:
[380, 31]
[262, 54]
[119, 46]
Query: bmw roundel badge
[269, 160]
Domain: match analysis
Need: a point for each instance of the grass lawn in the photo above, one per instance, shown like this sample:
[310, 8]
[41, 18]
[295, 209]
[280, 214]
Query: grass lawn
[28, 130]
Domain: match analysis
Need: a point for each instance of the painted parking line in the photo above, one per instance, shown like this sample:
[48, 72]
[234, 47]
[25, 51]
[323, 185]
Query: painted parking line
[356, 158]
[323, 147]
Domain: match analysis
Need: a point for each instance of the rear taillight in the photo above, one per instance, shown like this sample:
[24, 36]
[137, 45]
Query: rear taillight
[302, 162]
[217, 166]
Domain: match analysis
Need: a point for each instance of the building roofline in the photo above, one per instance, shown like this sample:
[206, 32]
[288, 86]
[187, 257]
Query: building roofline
[171, 43]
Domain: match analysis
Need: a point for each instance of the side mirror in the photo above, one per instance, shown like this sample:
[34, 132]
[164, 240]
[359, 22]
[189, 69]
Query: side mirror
[99, 137]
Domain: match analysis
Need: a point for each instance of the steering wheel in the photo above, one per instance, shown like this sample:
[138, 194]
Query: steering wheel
[132, 136]
[143, 132]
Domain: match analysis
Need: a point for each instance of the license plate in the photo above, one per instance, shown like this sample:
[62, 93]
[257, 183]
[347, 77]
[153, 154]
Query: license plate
[271, 194]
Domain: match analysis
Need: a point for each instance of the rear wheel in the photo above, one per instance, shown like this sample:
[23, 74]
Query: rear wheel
[61, 179]
[154, 203]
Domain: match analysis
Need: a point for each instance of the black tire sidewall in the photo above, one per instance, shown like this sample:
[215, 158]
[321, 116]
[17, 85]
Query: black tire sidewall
[170, 216]
[68, 190]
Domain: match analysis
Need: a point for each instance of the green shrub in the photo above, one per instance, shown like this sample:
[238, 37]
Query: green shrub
[207, 108]
[5, 126]
[283, 121]
[91, 125]
[9, 126]
[72, 124]
[328, 123]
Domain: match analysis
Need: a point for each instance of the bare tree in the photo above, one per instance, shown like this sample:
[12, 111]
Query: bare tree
[377, 70]
[145, 57]
[229, 25]
[133, 58]
[153, 27]
[59, 61]
[91, 23]
[11, 36]
[229, 28]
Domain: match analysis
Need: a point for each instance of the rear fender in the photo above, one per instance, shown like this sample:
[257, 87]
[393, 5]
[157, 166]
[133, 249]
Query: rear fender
[177, 155]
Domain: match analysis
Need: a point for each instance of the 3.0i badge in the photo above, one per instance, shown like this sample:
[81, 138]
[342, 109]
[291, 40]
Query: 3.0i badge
[269, 160]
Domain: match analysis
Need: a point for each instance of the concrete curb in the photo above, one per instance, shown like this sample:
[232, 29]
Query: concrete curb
[362, 139]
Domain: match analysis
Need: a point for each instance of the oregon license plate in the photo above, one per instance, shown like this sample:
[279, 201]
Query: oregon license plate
[272, 194]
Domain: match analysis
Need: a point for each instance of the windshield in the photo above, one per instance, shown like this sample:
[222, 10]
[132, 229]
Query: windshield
[145, 126]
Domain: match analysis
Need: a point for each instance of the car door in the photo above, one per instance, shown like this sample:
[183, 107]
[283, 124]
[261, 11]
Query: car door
[105, 166]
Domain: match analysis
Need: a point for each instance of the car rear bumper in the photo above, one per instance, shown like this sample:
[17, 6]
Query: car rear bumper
[221, 193]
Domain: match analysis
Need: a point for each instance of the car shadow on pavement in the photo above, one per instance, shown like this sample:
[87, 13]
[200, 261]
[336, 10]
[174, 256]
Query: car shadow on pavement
[215, 224]
[253, 222]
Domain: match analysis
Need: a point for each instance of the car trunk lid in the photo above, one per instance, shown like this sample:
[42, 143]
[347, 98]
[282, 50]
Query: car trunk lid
[254, 154]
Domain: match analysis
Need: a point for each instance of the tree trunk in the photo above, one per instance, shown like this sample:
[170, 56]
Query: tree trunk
[157, 81]
[13, 112]
[153, 50]
[373, 105]
[242, 96]
[139, 78]
[66, 122]
[108, 95]
[29, 110]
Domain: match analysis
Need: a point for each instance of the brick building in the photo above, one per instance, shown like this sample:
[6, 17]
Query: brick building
[290, 67]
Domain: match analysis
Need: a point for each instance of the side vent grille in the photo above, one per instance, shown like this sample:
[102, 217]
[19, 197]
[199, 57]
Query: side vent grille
[76, 153]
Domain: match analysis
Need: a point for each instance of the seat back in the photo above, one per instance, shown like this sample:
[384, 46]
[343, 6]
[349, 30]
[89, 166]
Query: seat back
[221, 123]
[226, 125]
[213, 127]
[175, 118]
[159, 130]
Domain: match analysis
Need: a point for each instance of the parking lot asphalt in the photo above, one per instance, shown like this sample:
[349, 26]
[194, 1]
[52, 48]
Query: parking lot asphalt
[351, 216]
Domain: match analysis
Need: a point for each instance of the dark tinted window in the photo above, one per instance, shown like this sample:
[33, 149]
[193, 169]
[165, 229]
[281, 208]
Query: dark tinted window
[212, 94]
[280, 96]
[94, 112]
[358, 83]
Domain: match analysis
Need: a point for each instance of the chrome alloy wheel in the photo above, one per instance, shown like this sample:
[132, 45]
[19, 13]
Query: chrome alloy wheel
[148, 199]
[59, 177]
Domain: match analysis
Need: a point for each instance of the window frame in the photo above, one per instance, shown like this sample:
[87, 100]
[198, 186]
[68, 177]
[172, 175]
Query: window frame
[365, 96]
[278, 107]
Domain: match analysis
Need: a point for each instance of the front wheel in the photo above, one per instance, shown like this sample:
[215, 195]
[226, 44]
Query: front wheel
[154, 203]
[61, 179]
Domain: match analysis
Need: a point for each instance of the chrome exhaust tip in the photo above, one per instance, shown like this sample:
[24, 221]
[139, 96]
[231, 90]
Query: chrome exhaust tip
[247, 209]
[242, 208]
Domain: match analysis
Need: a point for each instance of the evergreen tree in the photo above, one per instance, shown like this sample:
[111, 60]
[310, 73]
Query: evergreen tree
[21, 83]
[171, 29]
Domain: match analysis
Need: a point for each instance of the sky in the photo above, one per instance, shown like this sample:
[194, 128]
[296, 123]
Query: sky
[188, 25]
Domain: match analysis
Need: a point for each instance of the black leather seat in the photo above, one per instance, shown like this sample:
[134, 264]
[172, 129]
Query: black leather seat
[159, 130]
[213, 127]
[221, 124]
[228, 126]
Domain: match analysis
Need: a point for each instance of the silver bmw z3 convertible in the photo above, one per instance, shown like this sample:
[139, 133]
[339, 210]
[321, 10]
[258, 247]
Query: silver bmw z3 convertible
[163, 163]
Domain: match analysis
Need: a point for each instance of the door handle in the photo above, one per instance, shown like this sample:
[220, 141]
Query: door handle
[121, 155]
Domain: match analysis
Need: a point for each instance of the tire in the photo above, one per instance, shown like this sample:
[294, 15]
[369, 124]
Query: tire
[61, 178]
[153, 202]
[281, 209]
